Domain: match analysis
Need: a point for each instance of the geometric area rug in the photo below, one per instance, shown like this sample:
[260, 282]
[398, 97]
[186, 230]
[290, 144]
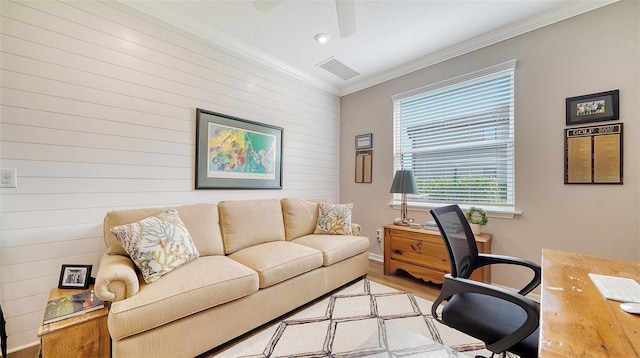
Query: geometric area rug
[364, 319]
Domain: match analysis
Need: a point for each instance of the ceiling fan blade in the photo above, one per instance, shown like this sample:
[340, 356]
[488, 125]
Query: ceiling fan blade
[346, 11]
[266, 5]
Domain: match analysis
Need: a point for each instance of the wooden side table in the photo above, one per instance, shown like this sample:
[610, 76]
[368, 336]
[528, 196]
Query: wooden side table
[422, 253]
[85, 335]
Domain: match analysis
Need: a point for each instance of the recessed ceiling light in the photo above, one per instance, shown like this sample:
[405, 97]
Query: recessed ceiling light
[322, 38]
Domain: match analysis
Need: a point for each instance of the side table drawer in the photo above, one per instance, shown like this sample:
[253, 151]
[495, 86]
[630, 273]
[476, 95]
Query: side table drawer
[425, 236]
[421, 253]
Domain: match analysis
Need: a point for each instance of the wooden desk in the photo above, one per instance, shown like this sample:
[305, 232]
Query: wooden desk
[575, 320]
[85, 335]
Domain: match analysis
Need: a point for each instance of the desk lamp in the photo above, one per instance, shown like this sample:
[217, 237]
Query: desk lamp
[404, 183]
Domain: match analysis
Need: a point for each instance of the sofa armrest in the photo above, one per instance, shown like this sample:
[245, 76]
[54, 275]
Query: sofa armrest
[356, 229]
[116, 279]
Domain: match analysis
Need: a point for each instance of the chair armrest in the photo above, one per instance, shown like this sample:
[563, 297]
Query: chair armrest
[456, 285]
[116, 279]
[490, 259]
[355, 228]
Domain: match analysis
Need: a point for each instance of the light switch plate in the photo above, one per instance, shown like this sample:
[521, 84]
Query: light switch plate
[8, 178]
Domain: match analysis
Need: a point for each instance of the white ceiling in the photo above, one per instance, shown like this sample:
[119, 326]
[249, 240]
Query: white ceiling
[393, 37]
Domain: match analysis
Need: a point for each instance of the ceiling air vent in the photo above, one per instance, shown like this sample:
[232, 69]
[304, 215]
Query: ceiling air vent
[338, 68]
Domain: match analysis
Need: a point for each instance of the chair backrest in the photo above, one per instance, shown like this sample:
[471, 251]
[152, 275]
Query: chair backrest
[3, 334]
[458, 238]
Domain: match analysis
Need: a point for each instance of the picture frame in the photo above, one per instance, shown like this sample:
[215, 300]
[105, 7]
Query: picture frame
[364, 166]
[75, 276]
[364, 141]
[596, 107]
[235, 153]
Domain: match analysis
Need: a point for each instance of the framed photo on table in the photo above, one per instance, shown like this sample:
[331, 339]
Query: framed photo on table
[75, 276]
[596, 107]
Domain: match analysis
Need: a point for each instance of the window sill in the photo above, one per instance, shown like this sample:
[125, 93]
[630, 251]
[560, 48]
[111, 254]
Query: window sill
[492, 211]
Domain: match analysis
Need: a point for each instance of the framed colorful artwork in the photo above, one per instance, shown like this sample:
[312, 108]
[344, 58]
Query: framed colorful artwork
[235, 153]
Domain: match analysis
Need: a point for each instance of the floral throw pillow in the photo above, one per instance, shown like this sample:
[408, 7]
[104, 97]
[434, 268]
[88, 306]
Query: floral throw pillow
[158, 244]
[334, 219]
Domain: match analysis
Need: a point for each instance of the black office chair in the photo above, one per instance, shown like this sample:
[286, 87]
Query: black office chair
[504, 320]
[3, 334]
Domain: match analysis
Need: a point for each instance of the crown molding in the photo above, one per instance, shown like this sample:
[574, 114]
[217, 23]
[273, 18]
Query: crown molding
[251, 54]
[228, 43]
[571, 9]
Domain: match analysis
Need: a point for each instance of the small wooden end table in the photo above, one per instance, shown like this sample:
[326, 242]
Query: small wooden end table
[422, 253]
[85, 335]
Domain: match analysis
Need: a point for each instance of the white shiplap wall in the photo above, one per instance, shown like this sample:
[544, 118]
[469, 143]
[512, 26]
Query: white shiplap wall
[98, 113]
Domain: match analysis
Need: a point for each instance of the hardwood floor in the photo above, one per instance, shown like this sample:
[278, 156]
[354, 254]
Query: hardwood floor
[402, 281]
[31, 352]
[399, 280]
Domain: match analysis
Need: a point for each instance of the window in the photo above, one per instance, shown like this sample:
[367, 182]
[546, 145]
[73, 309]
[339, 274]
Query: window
[458, 139]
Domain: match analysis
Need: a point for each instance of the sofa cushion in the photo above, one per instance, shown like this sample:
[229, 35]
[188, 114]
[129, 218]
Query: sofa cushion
[334, 219]
[157, 244]
[246, 223]
[300, 217]
[201, 220]
[335, 248]
[278, 261]
[201, 284]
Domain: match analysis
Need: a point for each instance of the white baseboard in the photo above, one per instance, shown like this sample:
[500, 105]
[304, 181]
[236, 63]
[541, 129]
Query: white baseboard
[376, 257]
[26, 346]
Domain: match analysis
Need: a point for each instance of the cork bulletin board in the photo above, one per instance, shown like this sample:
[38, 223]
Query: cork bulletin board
[364, 160]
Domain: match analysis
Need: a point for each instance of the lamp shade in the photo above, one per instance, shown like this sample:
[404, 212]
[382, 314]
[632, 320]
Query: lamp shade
[404, 183]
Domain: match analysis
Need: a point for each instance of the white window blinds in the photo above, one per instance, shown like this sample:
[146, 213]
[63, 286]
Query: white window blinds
[458, 138]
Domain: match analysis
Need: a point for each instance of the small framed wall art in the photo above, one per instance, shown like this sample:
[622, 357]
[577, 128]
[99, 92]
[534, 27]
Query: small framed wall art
[596, 107]
[75, 276]
[364, 162]
[364, 141]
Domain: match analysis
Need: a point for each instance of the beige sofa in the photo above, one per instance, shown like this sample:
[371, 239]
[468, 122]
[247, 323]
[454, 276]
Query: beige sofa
[259, 259]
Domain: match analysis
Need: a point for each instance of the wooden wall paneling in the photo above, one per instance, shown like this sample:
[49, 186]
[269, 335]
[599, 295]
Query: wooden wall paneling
[241, 68]
[61, 233]
[24, 305]
[98, 113]
[63, 137]
[29, 270]
[283, 95]
[146, 51]
[17, 290]
[30, 101]
[29, 151]
[85, 122]
[52, 250]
